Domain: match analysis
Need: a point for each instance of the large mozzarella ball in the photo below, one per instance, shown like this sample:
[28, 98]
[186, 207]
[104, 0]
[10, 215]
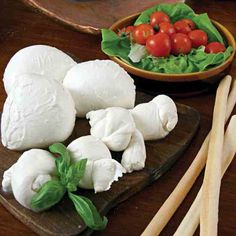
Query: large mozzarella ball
[33, 169]
[37, 59]
[101, 170]
[114, 126]
[37, 113]
[156, 118]
[99, 84]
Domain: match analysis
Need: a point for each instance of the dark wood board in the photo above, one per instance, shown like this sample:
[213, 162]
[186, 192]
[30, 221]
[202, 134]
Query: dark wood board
[90, 16]
[63, 219]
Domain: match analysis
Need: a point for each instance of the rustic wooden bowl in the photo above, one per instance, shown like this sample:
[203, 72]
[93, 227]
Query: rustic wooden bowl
[184, 77]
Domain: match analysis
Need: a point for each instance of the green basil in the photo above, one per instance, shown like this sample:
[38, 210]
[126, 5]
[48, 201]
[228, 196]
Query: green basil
[48, 195]
[75, 174]
[69, 176]
[88, 212]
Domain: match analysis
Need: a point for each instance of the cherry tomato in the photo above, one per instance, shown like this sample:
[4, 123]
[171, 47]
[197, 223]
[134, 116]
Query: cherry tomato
[180, 44]
[126, 30]
[215, 47]
[182, 27]
[142, 32]
[198, 38]
[159, 45]
[190, 23]
[166, 27]
[158, 17]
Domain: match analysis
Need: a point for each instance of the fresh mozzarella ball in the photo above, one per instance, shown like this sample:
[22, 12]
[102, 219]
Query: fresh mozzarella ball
[37, 113]
[114, 126]
[101, 170]
[37, 59]
[33, 169]
[99, 84]
[156, 118]
[134, 156]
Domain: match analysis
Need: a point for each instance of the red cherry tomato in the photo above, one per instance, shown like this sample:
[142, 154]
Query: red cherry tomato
[190, 23]
[182, 27]
[198, 38]
[215, 47]
[126, 30]
[142, 32]
[180, 44]
[159, 45]
[158, 17]
[166, 27]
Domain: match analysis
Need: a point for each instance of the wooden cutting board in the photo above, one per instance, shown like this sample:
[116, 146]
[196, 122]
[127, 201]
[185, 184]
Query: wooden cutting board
[62, 219]
[90, 16]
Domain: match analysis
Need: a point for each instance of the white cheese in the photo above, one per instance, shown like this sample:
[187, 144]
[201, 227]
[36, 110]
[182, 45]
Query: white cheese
[134, 156]
[113, 126]
[156, 118]
[99, 84]
[33, 169]
[37, 59]
[101, 170]
[37, 113]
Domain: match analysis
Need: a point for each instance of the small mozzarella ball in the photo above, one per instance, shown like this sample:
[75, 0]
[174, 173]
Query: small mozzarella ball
[40, 60]
[113, 126]
[99, 84]
[37, 113]
[91, 148]
[156, 118]
[34, 168]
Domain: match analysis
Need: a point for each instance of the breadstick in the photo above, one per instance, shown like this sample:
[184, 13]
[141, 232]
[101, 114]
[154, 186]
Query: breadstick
[212, 177]
[172, 203]
[191, 220]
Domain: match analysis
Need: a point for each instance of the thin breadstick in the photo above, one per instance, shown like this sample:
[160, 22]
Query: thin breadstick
[212, 177]
[191, 220]
[174, 200]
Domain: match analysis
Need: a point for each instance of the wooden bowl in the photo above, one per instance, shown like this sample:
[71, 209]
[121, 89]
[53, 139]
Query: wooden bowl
[184, 77]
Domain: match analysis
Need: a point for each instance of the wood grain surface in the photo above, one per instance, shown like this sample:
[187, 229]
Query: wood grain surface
[90, 16]
[20, 27]
[63, 219]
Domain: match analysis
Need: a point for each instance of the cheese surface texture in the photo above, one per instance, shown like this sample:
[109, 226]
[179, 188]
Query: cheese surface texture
[99, 84]
[40, 60]
[37, 113]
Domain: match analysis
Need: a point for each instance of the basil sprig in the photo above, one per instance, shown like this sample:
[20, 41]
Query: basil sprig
[69, 176]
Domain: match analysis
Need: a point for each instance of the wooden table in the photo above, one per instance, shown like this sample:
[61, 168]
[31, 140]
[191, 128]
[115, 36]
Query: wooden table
[20, 27]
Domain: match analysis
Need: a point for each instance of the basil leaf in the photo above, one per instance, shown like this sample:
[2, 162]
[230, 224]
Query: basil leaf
[75, 174]
[48, 195]
[88, 212]
[63, 161]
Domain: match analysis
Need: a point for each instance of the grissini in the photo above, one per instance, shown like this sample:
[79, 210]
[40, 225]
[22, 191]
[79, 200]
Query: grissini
[172, 203]
[191, 220]
[212, 176]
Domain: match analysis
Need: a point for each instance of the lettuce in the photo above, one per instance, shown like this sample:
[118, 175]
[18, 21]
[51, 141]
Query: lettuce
[196, 60]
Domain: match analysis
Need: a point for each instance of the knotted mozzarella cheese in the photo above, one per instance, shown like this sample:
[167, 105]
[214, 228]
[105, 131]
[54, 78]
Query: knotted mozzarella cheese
[113, 126]
[37, 113]
[134, 156]
[99, 84]
[156, 118]
[101, 170]
[37, 59]
[33, 169]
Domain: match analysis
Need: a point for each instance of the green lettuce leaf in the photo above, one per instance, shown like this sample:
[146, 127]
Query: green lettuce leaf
[174, 11]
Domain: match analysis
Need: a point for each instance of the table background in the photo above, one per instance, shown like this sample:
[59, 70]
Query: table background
[20, 26]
